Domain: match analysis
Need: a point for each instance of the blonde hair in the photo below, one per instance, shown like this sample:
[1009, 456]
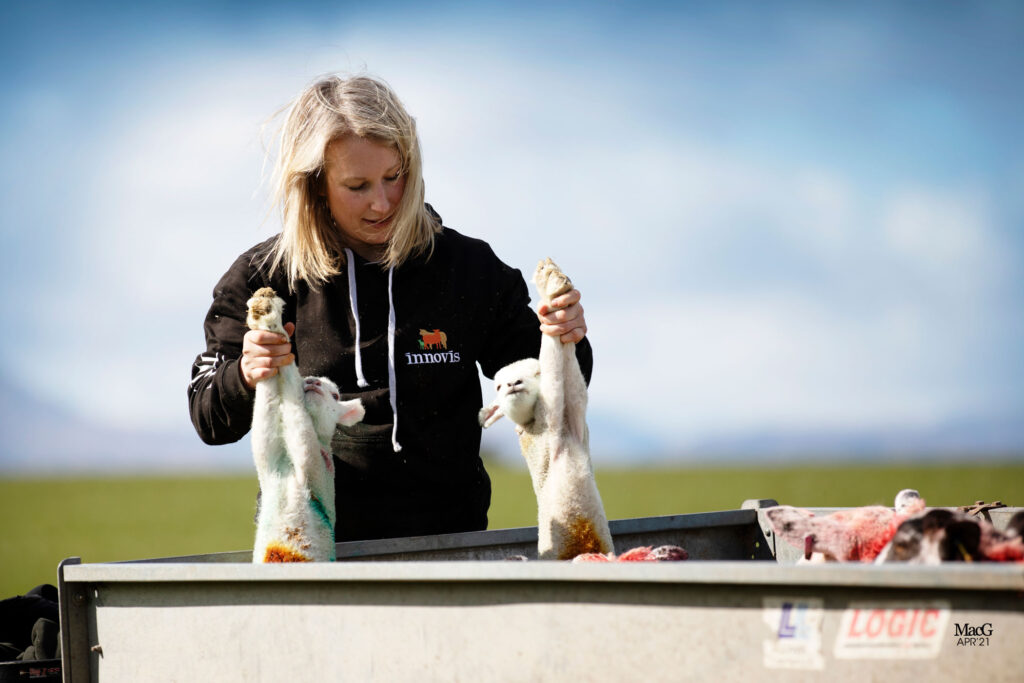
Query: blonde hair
[309, 248]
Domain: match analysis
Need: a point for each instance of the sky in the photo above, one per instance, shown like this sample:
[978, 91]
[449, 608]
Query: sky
[796, 223]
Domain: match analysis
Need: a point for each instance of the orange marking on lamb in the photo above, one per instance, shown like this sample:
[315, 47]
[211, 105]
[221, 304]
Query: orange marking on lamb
[582, 538]
[280, 553]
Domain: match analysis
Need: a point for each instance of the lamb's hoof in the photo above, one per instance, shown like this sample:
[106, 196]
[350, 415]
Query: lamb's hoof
[261, 309]
[550, 280]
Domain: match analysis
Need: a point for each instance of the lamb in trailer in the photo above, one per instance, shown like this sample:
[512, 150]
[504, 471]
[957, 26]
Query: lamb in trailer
[292, 424]
[909, 533]
[857, 534]
[941, 535]
[547, 400]
[644, 553]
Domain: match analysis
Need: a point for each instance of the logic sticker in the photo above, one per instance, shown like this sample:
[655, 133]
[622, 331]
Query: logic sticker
[795, 641]
[892, 630]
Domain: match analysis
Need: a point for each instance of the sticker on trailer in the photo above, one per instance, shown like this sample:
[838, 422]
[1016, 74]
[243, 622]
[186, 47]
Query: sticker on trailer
[892, 630]
[795, 624]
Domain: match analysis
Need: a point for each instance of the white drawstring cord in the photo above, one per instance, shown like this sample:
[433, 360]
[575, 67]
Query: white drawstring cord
[360, 379]
[392, 381]
[354, 303]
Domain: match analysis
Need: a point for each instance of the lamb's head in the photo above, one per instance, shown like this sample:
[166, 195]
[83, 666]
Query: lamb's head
[908, 502]
[517, 386]
[265, 310]
[934, 537]
[324, 404]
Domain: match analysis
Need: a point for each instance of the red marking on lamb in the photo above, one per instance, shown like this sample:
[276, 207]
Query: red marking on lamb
[328, 459]
[591, 557]
[858, 534]
[641, 554]
[854, 535]
[644, 553]
[1011, 550]
[999, 546]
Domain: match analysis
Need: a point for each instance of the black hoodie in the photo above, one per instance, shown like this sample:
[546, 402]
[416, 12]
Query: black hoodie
[454, 308]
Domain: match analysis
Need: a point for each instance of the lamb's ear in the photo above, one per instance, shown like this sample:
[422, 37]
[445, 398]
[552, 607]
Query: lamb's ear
[961, 541]
[488, 415]
[351, 412]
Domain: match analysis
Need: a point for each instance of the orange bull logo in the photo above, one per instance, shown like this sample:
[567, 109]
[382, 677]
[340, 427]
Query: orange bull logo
[433, 340]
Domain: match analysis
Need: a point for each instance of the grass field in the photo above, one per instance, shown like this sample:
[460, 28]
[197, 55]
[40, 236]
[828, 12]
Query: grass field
[109, 519]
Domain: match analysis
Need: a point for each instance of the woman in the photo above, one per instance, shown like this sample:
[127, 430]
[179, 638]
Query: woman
[382, 298]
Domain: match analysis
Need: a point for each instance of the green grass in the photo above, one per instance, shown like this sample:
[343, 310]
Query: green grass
[109, 519]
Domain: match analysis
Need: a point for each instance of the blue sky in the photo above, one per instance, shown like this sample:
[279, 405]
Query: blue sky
[801, 217]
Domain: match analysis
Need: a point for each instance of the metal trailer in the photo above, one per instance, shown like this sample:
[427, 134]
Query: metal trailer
[415, 609]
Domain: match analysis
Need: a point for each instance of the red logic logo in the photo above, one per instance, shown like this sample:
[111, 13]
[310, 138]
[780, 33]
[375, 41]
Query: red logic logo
[898, 630]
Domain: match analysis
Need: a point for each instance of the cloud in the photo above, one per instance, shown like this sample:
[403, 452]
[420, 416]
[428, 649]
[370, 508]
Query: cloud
[715, 364]
[943, 232]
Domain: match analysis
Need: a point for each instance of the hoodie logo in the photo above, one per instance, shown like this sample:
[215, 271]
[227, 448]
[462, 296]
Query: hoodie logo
[433, 347]
[433, 340]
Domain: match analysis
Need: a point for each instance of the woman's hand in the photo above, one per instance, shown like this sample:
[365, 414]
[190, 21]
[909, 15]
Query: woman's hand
[563, 317]
[263, 352]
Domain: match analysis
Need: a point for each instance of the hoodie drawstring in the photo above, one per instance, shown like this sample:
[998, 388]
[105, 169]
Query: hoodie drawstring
[354, 303]
[360, 379]
[392, 381]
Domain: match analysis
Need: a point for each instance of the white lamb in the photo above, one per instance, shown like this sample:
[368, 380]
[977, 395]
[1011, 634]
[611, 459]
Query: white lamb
[547, 400]
[293, 421]
[856, 534]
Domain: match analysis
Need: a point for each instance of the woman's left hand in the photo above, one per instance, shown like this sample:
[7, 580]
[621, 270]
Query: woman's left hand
[563, 317]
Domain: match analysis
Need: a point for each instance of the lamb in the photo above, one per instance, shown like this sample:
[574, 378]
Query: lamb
[644, 553]
[910, 533]
[292, 424]
[941, 535]
[857, 534]
[547, 398]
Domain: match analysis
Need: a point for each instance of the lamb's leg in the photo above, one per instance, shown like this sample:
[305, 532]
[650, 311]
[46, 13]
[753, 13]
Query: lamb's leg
[562, 384]
[267, 447]
[576, 396]
[301, 441]
[284, 390]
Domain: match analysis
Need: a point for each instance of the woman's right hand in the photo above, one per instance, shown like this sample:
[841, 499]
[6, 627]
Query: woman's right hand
[263, 352]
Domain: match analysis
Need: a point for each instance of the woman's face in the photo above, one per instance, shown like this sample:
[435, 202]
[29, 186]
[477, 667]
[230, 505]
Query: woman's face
[364, 187]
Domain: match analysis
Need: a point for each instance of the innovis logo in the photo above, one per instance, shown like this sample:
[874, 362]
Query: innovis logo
[434, 347]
